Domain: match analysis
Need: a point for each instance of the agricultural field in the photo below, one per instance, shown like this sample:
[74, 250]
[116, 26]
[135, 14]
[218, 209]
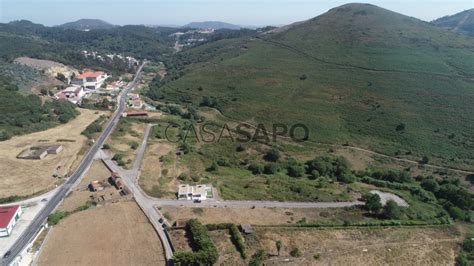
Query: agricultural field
[27, 177]
[114, 234]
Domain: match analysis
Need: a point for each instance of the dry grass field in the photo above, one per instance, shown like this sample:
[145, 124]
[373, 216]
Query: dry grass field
[368, 246]
[26, 177]
[158, 178]
[258, 216]
[81, 194]
[114, 234]
[122, 139]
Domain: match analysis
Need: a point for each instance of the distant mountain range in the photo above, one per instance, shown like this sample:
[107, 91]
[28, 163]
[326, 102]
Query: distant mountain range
[212, 25]
[87, 24]
[462, 22]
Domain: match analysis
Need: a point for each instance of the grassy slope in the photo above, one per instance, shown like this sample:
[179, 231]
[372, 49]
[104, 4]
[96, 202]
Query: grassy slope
[368, 70]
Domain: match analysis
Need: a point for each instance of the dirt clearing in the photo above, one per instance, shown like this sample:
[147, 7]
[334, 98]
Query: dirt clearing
[115, 234]
[368, 246]
[26, 177]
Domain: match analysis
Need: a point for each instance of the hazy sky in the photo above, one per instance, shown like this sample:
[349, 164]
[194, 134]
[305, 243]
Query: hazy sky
[243, 12]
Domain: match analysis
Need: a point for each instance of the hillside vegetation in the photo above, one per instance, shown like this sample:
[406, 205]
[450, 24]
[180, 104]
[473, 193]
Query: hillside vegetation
[24, 114]
[356, 75]
[462, 22]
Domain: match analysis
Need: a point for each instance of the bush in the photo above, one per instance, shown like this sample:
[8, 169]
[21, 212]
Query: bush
[270, 169]
[295, 252]
[295, 170]
[214, 167]
[258, 258]
[56, 216]
[391, 210]
[133, 145]
[372, 202]
[256, 169]
[272, 155]
[240, 148]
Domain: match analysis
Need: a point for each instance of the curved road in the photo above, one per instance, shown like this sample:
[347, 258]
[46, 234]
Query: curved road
[62, 191]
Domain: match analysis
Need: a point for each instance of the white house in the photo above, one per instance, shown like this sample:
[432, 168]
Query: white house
[9, 216]
[90, 80]
[73, 94]
[198, 192]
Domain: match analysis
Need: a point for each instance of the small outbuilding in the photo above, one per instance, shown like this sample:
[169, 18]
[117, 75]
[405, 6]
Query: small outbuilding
[246, 229]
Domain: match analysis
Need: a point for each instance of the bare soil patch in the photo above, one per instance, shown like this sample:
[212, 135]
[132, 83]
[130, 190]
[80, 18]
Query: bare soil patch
[115, 234]
[26, 177]
[368, 246]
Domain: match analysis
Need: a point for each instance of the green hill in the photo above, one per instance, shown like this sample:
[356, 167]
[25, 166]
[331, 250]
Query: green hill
[87, 24]
[462, 22]
[358, 74]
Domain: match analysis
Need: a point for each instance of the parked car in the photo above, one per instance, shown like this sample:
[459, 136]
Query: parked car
[197, 201]
[161, 220]
[44, 200]
[164, 226]
[7, 254]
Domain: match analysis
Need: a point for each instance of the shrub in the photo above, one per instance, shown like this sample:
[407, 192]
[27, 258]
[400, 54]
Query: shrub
[56, 216]
[295, 252]
[270, 169]
[295, 170]
[272, 155]
[258, 258]
[256, 169]
[391, 210]
[240, 148]
[372, 202]
[214, 167]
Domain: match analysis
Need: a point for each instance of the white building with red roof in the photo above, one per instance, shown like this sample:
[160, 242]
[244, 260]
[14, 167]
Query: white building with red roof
[91, 80]
[9, 216]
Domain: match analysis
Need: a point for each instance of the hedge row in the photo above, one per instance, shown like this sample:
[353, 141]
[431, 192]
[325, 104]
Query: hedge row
[235, 235]
[207, 252]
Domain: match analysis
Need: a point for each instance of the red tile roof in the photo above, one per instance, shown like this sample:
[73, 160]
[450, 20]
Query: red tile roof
[6, 214]
[90, 74]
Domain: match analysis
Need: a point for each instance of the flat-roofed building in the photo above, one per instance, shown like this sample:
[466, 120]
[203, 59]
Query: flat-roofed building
[197, 192]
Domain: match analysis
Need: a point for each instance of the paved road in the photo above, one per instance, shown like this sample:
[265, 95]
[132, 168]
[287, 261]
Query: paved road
[62, 191]
[146, 203]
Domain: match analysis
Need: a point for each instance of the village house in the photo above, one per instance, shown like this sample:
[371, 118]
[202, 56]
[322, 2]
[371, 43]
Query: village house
[73, 94]
[91, 80]
[197, 192]
[9, 216]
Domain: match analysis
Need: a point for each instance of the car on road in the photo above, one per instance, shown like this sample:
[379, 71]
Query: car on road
[197, 201]
[7, 254]
[161, 220]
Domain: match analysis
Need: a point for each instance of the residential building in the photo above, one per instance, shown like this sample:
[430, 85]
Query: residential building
[9, 216]
[73, 94]
[197, 192]
[91, 80]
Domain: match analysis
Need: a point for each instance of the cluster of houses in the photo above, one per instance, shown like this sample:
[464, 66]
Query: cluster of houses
[84, 84]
